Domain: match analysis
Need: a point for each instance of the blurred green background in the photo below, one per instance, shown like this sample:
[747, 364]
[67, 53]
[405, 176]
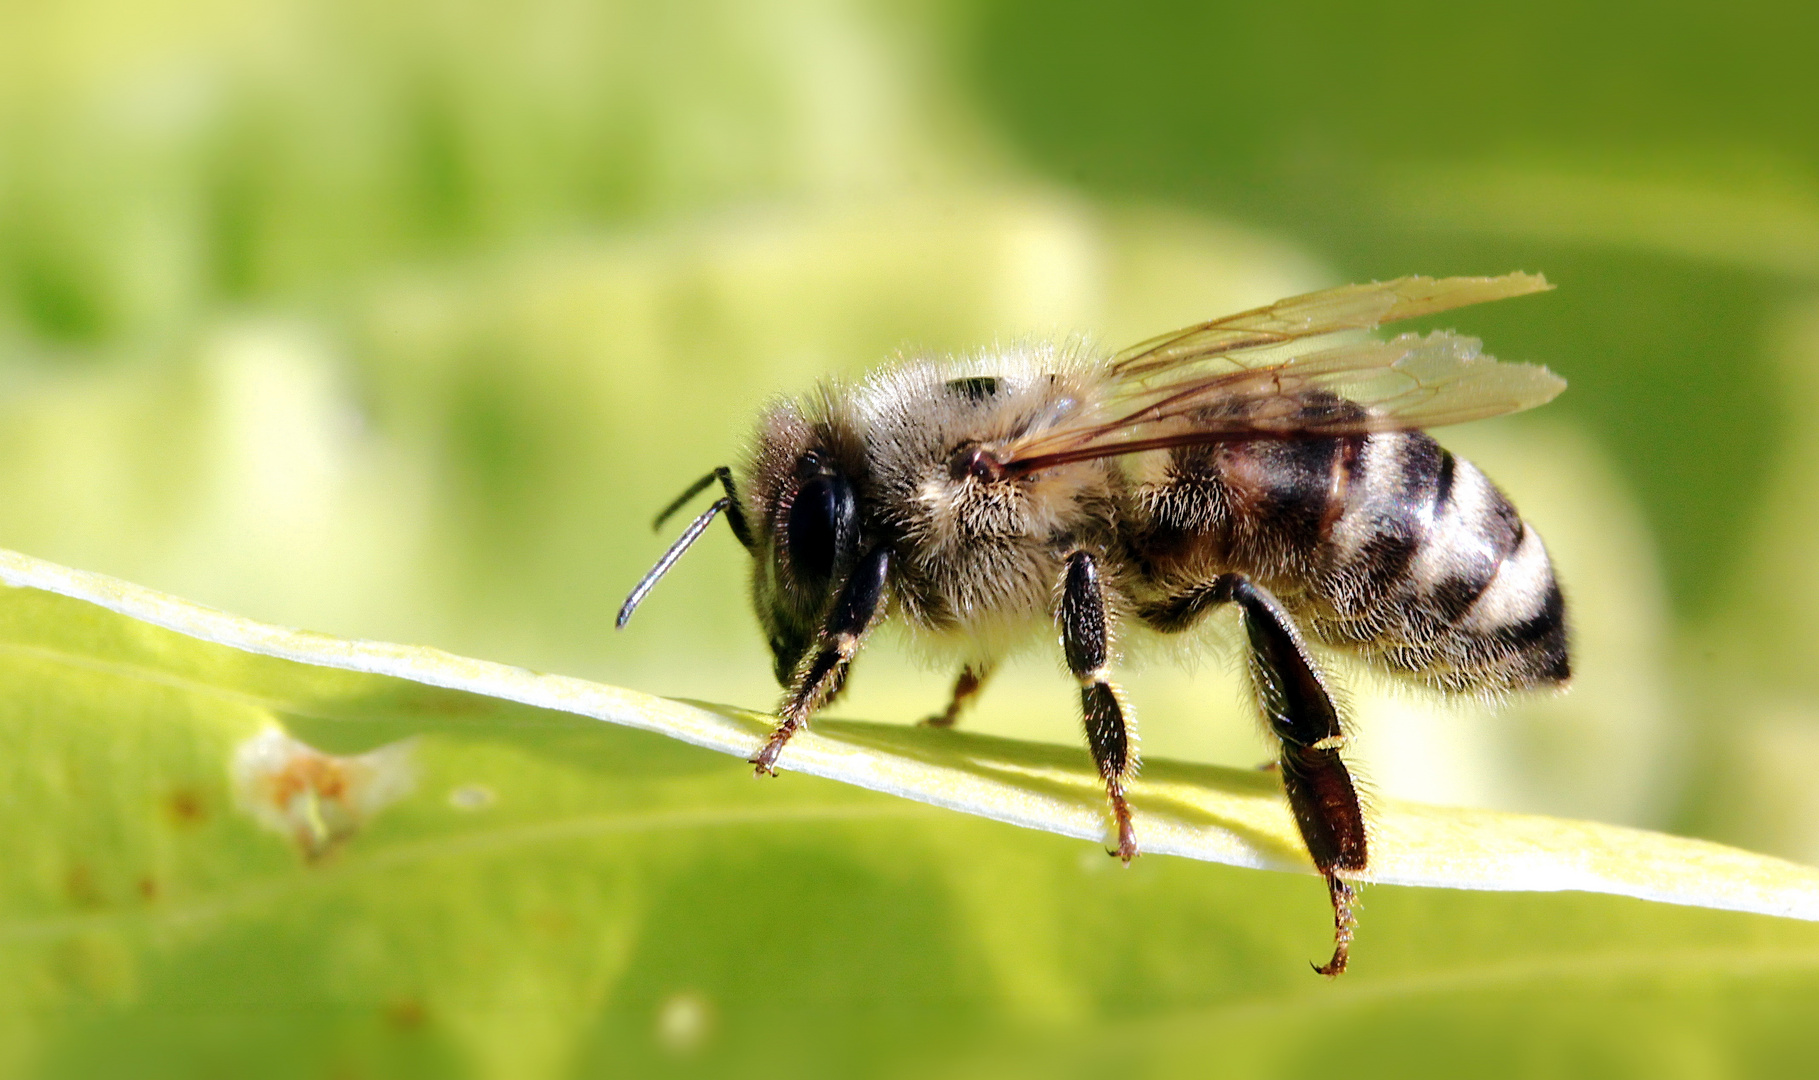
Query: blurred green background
[398, 320]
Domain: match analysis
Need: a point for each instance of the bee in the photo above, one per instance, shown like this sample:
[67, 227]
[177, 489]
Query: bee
[1272, 460]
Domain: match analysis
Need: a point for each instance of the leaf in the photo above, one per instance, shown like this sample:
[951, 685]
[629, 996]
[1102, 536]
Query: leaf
[1198, 811]
[424, 879]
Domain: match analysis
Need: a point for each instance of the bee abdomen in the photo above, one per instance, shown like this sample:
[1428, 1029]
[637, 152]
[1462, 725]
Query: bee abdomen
[1385, 544]
[1429, 570]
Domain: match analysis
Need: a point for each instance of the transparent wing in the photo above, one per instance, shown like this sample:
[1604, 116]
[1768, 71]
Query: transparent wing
[1353, 388]
[1286, 322]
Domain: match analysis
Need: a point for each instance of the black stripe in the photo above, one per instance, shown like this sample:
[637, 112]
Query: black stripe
[1548, 623]
[1385, 557]
[1300, 473]
[1539, 643]
[1443, 484]
[1502, 529]
[1421, 461]
[1454, 596]
[1557, 666]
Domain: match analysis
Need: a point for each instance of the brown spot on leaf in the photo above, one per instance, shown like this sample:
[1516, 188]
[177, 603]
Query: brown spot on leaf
[406, 1014]
[79, 885]
[148, 888]
[185, 807]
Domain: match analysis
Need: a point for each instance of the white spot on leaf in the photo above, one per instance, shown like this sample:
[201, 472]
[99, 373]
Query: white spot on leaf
[472, 797]
[318, 800]
[684, 1022]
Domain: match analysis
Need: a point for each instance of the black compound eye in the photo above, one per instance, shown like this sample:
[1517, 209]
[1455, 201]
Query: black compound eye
[822, 527]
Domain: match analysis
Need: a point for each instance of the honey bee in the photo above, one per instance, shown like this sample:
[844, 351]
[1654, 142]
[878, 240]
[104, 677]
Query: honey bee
[1272, 460]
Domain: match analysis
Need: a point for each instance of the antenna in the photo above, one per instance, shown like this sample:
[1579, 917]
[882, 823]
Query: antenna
[688, 537]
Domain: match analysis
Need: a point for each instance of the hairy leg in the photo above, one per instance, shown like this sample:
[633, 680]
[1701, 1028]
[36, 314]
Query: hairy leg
[1301, 715]
[1085, 640]
[823, 671]
[966, 687]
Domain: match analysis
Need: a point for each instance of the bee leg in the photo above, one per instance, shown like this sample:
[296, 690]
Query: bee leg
[966, 688]
[1083, 639]
[1301, 715]
[823, 673]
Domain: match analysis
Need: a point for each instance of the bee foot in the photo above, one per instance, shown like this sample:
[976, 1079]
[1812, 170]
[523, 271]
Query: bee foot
[1344, 920]
[764, 762]
[1127, 834]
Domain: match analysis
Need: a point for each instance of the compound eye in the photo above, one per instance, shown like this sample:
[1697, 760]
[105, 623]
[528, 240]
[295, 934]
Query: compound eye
[822, 527]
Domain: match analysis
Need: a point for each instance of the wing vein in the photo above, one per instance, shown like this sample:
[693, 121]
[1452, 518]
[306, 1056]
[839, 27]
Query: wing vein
[1277, 372]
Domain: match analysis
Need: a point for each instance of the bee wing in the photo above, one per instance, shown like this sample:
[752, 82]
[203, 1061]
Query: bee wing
[1350, 307]
[1354, 388]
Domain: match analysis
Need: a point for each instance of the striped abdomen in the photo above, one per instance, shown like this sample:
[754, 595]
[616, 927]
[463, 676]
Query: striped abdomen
[1384, 543]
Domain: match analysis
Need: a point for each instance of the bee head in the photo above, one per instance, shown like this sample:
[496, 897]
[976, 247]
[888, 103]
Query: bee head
[795, 510]
[807, 543]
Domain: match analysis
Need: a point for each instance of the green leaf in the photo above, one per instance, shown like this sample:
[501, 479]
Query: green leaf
[1199, 811]
[240, 848]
